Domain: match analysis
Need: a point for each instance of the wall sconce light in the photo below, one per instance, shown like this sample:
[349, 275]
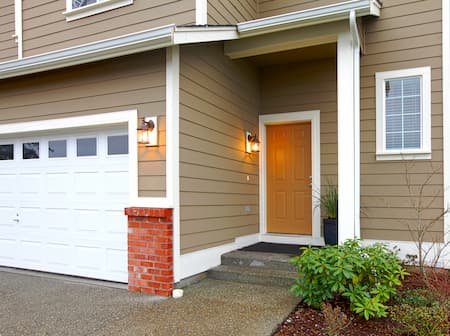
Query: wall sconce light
[147, 131]
[251, 143]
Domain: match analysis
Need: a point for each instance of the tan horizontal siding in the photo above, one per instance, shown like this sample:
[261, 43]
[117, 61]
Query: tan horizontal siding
[276, 7]
[231, 11]
[219, 100]
[305, 87]
[8, 47]
[46, 29]
[133, 82]
[408, 34]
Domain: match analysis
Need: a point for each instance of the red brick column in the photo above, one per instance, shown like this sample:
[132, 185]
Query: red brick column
[150, 250]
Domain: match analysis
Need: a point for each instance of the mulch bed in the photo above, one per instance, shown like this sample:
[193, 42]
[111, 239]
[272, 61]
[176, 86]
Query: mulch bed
[306, 321]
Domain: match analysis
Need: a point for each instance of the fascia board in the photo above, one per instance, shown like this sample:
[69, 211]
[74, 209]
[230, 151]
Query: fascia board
[309, 17]
[124, 45]
[185, 35]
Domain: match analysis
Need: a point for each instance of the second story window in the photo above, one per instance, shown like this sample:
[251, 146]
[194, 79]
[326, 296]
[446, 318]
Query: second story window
[82, 3]
[77, 9]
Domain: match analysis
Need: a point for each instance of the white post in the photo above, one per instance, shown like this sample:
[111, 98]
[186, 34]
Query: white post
[348, 136]
[172, 148]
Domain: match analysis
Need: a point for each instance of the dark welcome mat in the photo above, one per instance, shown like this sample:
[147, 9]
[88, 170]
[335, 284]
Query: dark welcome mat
[291, 249]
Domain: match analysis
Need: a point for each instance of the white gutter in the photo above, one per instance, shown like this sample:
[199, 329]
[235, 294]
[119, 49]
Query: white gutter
[309, 17]
[119, 46]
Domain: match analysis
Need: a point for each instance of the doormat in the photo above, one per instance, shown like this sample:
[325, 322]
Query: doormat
[290, 249]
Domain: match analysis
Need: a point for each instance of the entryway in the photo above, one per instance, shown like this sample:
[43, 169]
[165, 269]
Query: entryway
[290, 176]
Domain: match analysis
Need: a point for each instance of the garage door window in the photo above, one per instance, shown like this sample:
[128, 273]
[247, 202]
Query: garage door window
[7, 152]
[30, 150]
[87, 147]
[117, 144]
[57, 149]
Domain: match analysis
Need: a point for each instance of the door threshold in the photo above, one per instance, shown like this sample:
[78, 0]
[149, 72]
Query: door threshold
[279, 238]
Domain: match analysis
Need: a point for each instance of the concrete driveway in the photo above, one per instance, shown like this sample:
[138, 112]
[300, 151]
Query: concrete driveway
[32, 304]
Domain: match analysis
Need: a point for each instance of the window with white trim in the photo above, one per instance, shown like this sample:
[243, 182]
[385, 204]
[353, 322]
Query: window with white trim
[403, 125]
[77, 9]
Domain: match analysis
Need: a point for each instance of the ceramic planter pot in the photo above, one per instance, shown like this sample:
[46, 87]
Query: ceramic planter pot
[330, 231]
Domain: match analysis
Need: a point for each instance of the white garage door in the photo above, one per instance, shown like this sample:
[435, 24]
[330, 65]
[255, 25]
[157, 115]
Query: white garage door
[61, 203]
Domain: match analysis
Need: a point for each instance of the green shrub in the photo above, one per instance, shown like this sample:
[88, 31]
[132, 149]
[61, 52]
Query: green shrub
[421, 321]
[365, 276]
[416, 297]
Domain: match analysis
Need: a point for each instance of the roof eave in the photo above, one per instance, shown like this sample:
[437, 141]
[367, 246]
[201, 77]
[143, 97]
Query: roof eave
[314, 16]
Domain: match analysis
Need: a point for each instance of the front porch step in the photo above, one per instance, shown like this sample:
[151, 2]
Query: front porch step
[254, 275]
[275, 261]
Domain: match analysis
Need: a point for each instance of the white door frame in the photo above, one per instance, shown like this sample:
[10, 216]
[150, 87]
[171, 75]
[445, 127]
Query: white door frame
[286, 118]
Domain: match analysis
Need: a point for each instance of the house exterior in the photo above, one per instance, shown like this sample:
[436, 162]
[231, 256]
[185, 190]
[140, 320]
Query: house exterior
[352, 92]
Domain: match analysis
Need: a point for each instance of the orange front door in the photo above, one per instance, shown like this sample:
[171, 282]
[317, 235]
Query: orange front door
[289, 198]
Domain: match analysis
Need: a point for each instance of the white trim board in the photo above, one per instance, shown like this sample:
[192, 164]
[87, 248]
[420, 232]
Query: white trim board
[285, 118]
[200, 261]
[446, 110]
[410, 248]
[173, 148]
[201, 12]
[18, 24]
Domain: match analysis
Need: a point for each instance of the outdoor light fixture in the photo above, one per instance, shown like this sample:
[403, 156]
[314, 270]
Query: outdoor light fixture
[147, 131]
[251, 143]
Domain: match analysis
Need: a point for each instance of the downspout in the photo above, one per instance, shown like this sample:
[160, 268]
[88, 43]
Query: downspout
[18, 36]
[356, 122]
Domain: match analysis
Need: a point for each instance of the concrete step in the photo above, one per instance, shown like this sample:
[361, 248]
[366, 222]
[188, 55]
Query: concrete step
[276, 261]
[260, 276]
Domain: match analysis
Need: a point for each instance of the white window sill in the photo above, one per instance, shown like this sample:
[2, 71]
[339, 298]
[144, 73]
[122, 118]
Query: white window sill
[99, 7]
[405, 155]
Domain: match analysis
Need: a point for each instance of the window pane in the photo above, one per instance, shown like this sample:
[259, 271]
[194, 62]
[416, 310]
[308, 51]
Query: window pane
[411, 86]
[393, 88]
[393, 140]
[81, 3]
[117, 144]
[394, 124]
[57, 148]
[87, 147]
[30, 150]
[393, 106]
[411, 105]
[6, 152]
[411, 123]
[412, 140]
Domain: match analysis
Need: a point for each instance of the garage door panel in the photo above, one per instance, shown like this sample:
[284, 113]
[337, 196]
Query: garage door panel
[70, 210]
[8, 184]
[58, 183]
[86, 220]
[59, 255]
[57, 220]
[87, 182]
[116, 224]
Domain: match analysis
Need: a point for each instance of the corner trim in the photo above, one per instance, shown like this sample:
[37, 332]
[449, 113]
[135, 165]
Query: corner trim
[201, 12]
[446, 111]
[18, 18]
[173, 148]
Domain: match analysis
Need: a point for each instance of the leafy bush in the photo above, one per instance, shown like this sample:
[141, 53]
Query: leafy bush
[421, 321]
[365, 276]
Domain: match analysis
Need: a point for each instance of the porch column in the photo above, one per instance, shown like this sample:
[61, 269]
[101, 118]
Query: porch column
[348, 135]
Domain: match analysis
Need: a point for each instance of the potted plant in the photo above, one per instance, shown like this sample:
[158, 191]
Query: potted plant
[328, 203]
